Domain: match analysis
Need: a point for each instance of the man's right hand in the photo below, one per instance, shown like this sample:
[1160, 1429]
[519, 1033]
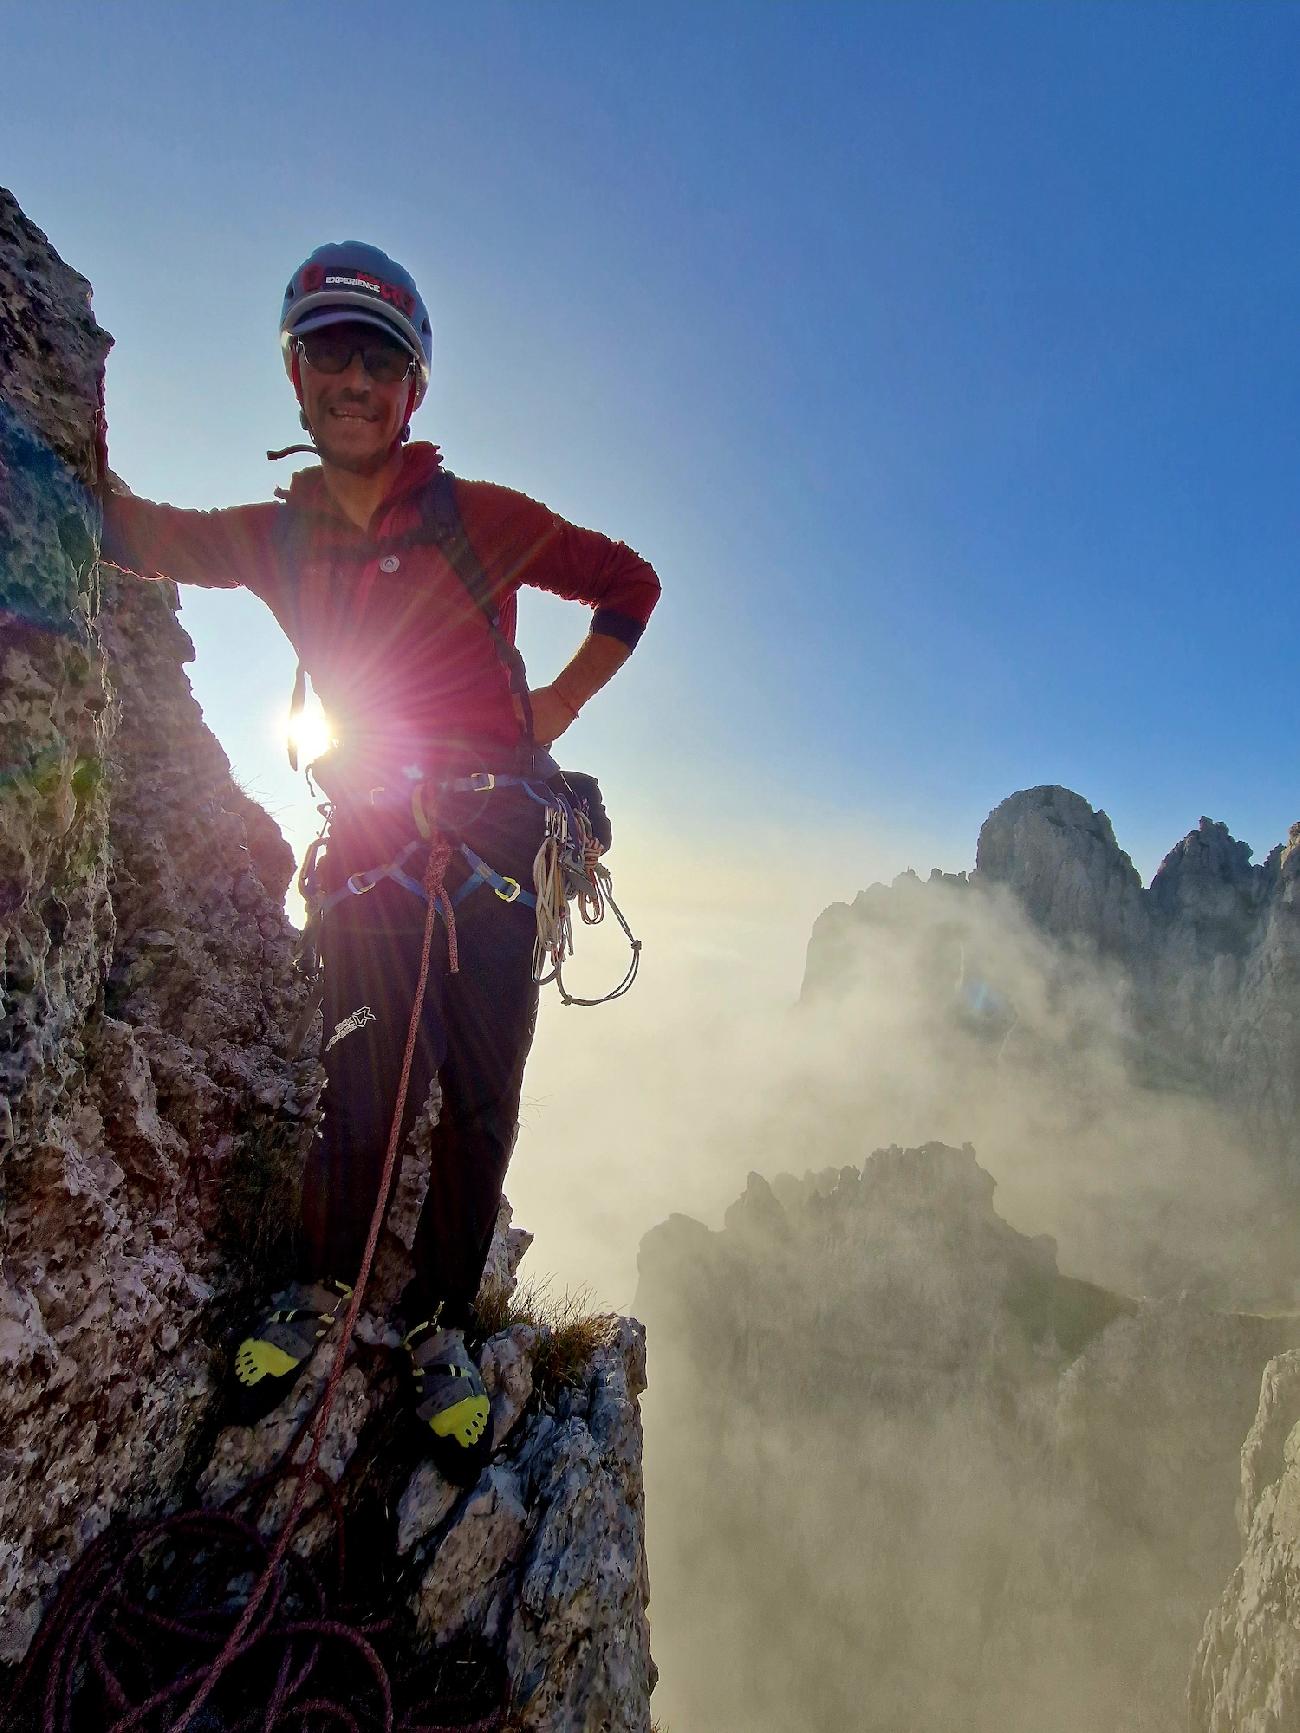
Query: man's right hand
[551, 715]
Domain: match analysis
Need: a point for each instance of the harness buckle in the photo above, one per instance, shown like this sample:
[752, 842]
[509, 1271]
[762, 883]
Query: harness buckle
[359, 890]
[511, 895]
[480, 781]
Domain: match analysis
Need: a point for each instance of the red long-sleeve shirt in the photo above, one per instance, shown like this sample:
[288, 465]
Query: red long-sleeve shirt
[395, 645]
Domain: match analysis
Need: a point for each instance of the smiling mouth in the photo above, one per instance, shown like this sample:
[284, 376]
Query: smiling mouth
[340, 414]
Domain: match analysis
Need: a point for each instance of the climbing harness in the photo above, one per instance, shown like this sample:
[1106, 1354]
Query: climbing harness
[567, 869]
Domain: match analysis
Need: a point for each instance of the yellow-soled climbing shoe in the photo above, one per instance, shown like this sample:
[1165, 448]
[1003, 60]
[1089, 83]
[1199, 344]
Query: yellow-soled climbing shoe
[451, 1404]
[270, 1358]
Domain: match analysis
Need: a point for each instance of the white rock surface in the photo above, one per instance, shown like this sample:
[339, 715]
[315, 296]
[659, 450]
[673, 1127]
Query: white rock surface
[1246, 1677]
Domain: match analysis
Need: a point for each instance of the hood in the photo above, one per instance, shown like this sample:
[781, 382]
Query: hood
[307, 490]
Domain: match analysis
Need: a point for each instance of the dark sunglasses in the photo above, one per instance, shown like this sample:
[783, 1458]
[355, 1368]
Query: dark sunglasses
[332, 352]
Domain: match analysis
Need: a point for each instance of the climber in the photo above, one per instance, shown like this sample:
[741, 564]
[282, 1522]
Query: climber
[396, 585]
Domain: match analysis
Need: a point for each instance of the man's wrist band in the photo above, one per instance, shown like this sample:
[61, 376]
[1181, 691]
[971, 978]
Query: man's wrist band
[567, 702]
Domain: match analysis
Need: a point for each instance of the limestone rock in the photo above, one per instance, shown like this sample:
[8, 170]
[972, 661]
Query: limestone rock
[149, 1097]
[426, 1499]
[1261, 1049]
[508, 1377]
[462, 1587]
[1246, 1676]
[1157, 1031]
[1060, 860]
[944, 1483]
[578, 1647]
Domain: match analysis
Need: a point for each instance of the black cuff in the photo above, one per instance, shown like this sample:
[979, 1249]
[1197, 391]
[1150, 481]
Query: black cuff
[609, 624]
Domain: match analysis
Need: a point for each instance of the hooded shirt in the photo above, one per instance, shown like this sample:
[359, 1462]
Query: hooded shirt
[396, 647]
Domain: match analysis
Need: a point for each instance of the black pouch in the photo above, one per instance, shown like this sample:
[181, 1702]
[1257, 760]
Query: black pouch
[583, 792]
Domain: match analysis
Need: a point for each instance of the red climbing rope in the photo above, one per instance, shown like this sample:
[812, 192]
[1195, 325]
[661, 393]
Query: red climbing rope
[104, 1627]
[435, 869]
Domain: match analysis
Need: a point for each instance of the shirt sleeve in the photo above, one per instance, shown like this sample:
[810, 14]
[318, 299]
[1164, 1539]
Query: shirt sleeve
[219, 550]
[519, 541]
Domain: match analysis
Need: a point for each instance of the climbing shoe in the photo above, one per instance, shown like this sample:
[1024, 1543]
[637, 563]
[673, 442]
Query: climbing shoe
[451, 1405]
[270, 1358]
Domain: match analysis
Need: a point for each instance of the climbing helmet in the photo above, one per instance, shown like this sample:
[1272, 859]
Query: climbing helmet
[351, 281]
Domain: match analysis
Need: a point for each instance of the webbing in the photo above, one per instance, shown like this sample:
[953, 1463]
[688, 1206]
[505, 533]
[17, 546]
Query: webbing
[480, 873]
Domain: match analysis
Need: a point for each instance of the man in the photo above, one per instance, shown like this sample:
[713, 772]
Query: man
[397, 586]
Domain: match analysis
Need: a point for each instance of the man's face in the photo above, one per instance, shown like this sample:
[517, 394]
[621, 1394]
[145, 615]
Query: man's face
[355, 418]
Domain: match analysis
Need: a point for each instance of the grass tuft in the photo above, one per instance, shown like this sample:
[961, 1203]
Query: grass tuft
[569, 1331]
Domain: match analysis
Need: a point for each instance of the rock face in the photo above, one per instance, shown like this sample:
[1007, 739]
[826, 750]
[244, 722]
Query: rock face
[1207, 956]
[944, 1484]
[543, 1561]
[1060, 860]
[147, 984]
[1247, 1673]
[1152, 1034]
[153, 1118]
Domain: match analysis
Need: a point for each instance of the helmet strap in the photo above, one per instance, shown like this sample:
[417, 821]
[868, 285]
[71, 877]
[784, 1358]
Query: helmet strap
[410, 411]
[295, 374]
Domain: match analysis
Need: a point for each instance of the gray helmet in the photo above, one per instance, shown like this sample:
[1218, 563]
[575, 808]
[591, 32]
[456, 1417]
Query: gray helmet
[350, 281]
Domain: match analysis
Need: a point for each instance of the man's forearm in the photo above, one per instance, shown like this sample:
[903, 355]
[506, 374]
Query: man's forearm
[595, 664]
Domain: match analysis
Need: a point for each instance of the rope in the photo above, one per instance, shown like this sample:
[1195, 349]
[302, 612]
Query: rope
[435, 868]
[299, 1667]
[568, 865]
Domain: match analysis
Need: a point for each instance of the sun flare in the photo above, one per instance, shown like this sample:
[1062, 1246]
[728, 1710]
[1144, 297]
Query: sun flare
[311, 731]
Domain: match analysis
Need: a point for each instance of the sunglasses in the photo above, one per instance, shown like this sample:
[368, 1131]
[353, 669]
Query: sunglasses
[332, 352]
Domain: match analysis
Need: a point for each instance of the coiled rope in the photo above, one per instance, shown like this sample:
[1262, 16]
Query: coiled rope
[568, 867]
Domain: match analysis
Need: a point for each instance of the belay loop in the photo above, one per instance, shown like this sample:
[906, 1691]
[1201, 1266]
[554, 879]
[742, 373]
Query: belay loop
[568, 867]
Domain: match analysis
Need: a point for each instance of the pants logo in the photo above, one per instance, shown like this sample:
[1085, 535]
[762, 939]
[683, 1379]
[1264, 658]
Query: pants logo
[357, 1020]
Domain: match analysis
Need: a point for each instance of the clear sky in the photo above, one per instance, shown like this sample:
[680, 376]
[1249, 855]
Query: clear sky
[941, 357]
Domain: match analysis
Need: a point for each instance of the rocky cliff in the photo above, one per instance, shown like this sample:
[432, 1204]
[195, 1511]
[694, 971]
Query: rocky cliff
[1127, 1059]
[153, 1118]
[1247, 1673]
[1205, 959]
[932, 1481]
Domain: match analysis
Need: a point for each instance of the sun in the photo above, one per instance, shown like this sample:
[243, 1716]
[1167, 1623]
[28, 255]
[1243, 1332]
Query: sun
[311, 731]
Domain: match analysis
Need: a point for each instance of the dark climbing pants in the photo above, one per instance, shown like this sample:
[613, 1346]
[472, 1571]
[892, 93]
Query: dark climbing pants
[475, 1031]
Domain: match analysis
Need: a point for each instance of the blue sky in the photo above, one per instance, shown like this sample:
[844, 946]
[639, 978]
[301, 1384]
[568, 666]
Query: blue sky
[941, 357]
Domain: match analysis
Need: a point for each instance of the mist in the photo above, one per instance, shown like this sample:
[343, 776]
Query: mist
[664, 1101]
[830, 1547]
